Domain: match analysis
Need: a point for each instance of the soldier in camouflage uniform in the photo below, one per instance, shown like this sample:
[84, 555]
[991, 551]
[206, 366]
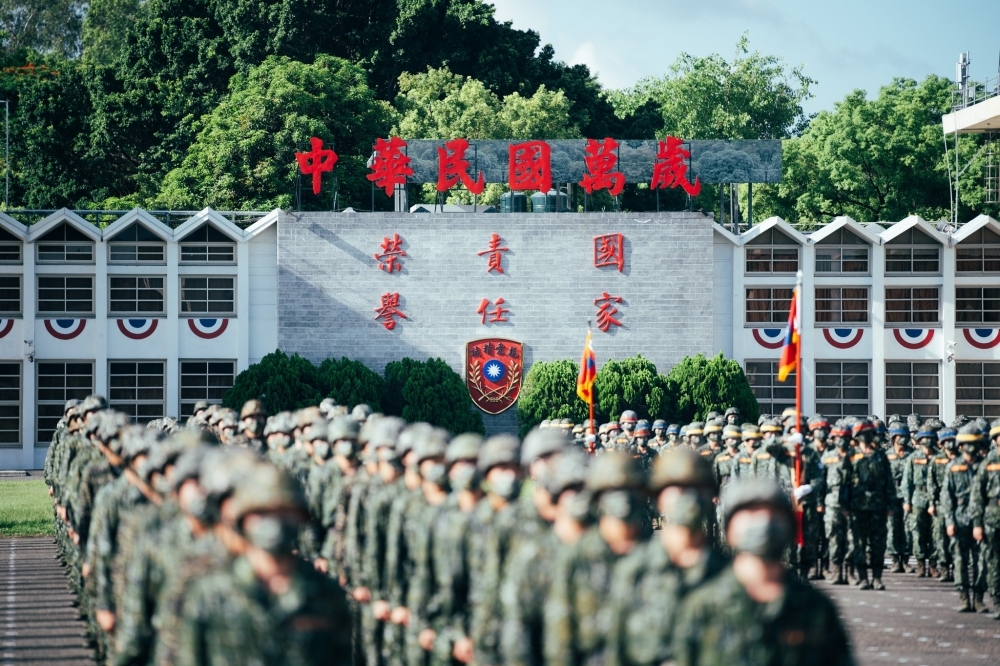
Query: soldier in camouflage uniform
[916, 500]
[819, 433]
[695, 435]
[872, 494]
[338, 487]
[743, 465]
[660, 441]
[318, 477]
[733, 619]
[835, 505]
[935, 482]
[713, 440]
[956, 494]
[897, 452]
[984, 507]
[576, 625]
[278, 436]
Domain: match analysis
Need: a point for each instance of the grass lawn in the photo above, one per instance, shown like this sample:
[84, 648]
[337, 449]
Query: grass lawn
[25, 509]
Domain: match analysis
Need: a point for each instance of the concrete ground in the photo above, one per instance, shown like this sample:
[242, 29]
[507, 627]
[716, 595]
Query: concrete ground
[912, 622]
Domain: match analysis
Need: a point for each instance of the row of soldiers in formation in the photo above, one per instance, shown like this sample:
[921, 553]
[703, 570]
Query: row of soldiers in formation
[328, 537]
[920, 490]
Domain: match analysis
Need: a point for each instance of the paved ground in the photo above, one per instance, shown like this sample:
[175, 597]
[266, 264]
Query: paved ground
[911, 623]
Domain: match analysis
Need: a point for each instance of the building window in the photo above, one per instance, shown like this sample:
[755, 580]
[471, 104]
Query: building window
[137, 388]
[977, 305]
[65, 244]
[911, 306]
[207, 245]
[766, 305]
[10, 248]
[841, 305]
[138, 295]
[10, 295]
[208, 295]
[979, 253]
[59, 381]
[978, 390]
[772, 396]
[65, 295]
[842, 388]
[841, 259]
[911, 252]
[204, 380]
[136, 245]
[912, 388]
[10, 405]
[772, 252]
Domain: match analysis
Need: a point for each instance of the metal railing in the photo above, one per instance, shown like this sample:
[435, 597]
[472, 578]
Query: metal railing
[102, 218]
[974, 92]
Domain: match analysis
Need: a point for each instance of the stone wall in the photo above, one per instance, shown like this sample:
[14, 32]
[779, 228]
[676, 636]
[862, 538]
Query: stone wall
[329, 286]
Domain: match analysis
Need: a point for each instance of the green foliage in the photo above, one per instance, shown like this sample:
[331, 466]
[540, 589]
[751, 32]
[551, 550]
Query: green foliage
[872, 160]
[631, 383]
[549, 392]
[103, 27]
[44, 26]
[279, 381]
[25, 509]
[351, 383]
[430, 391]
[244, 155]
[701, 385]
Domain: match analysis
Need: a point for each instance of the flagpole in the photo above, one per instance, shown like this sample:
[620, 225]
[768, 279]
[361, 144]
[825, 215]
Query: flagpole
[799, 536]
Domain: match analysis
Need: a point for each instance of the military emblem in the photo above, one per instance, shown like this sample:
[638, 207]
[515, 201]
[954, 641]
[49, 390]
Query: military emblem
[493, 372]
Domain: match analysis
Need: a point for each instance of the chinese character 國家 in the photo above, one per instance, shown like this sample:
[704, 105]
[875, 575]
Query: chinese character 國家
[601, 159]
[606, 311]
[453, 167]
[496, 254]
[392, 250]
[530, 166]
[389, 165]
[609, 250]
[389, 310]
[670, 169]
[316, 161]
[497, 315]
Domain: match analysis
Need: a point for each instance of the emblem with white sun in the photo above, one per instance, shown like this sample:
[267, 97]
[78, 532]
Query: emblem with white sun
[493, 373]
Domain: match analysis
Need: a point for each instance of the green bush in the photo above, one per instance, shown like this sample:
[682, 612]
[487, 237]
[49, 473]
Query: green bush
[702, 385]
[279, 381]
[430, 391]
[631, 383]
[549, 392]
[351, 383]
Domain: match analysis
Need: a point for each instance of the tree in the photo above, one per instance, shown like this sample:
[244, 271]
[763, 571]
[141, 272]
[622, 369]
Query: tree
[432, 392]
[872, 160]
[701, 385]
[631, 383]
[351, 383]
[243, 157]
[105, 23]
[549, 392]
[45, 26]
[279, 381]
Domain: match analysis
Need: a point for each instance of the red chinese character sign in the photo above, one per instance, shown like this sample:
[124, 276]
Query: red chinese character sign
[315, 162]
[392, 250]
[493, 373]
[453, 168]
[530, 166]
[495, 252]
[606, 311]
[498, 315]
[609, 250]
[389, 165]
[670, 169]
[601, 159]
[389, 309]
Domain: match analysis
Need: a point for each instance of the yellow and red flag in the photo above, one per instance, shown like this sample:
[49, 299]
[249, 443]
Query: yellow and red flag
[790, 352]
[588, 372]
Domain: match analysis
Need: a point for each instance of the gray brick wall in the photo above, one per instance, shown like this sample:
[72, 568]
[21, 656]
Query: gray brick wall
[329, 286]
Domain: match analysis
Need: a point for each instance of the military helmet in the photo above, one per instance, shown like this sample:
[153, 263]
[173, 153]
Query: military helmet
[696, 428]
[925, 433]
[367, 428]
[92, 403]
[613, 425]
[201, 405]
[110, 424]
[713, 426]
[409, 435]
[343, 428]
[681, 467]
[93, 424]
[541, 443]
[188, 465]
[499, 450]
[840, 429]
[659, 424]
[545, 423]
[139, 441]
[818, 421]
[281, 423]
[629, 417]
[750, 431]
[578, 430]
[252, 408]
[788, 412]
[191, 438]
[70, 404]
[385, 431]
[159, 458]
[898, 429]
[306, 415]
[771, 425]
[712, 415]
[969, 433]
[318, 429]
[220, 471]
[861, 426]
[615, 471]
[995, 429]
[432, 444]
[673, 429]
[945, 434]
[913, 422]
[745, 493]
[733, 411]
[326, 406]
[361, 412]
[731, 432]
[642, 428]
[266, 488]
[464, 447]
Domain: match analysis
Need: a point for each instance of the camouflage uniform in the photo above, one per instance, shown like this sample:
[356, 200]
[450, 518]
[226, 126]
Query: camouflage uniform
[914, 494]
[955, 498]
[872, 493]
[984, 506]
[935, 482]
[896, 533]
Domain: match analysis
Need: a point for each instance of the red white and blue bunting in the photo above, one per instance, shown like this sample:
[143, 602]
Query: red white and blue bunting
[769, 338]
[137, 329]
[208, 328]
[6, 325]
[914, 338]
[65, 329]
[982, 338]
[843, 338]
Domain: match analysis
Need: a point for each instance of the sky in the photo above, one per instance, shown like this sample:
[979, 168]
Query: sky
[842, 44]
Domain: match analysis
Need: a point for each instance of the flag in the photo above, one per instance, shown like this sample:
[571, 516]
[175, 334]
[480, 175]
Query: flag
[588, 372]
[790, 352]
